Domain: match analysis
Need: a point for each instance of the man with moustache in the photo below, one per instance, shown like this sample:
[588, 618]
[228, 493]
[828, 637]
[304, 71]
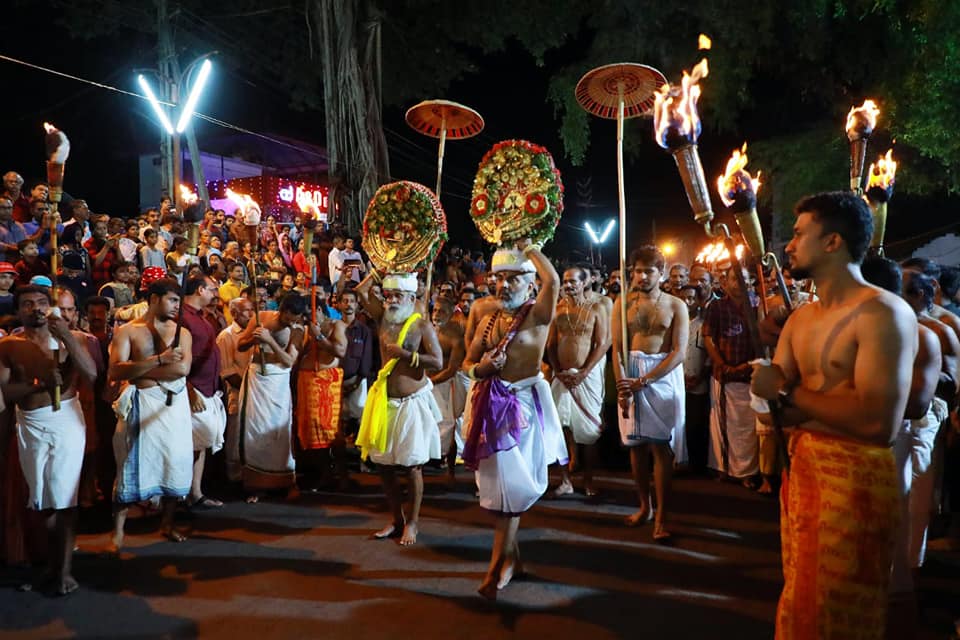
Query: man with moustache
[44, 357]
[650, 385]
[513, 431]
[842, 374]
[153, 443]
[577, 350]
[266, 410]
[450, 384]
[398, 429]
[696, 381]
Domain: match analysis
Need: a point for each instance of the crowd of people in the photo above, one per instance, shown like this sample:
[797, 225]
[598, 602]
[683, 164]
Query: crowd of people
[138, 358]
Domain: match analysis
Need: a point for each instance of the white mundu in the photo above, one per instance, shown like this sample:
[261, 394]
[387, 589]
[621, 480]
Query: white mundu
[413, 436]
[153, 443]
[580, 408]
[51, 446]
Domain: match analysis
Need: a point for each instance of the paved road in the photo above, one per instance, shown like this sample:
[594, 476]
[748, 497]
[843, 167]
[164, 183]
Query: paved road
[305, 569]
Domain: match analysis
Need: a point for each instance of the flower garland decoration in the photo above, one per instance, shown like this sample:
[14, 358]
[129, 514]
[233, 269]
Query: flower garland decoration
[404, 227]
[517, 193]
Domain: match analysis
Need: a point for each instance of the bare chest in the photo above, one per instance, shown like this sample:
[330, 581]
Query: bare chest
[649, 317]
[825, 346]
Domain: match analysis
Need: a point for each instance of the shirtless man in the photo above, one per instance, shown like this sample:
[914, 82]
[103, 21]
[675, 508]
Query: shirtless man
[842, 371]
[51, 441]
[576, 350]
[153, 442]
[650, 387]
[450, 383]
[919, 290]
[399, 425]
[266, 409]
[320, 394]
[509, 442]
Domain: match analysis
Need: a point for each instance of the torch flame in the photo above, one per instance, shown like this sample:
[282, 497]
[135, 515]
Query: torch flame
[735, 178]
[187, 196]
[883, 172]
[717, 253]
[704, 42]
[49, 128]
[675, 119]
[309, 207]
[861, 120]
[241, 199]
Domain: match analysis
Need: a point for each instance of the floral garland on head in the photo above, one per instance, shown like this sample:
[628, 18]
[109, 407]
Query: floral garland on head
[517, 193]
[404, 227]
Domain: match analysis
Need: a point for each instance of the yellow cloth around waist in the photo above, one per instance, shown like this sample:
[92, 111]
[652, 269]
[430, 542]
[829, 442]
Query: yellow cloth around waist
[373, 423]
[839, 517]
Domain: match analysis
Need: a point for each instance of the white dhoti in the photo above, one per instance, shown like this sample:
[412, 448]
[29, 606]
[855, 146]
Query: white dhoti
[50, 444]
[266, 427]
[153, 444]
[923, 439]
[209, 425]
[511, 481]
[580, 408]
[413, 437]
[658, 410]
[353, 402]
[733, 431]
[449, 423]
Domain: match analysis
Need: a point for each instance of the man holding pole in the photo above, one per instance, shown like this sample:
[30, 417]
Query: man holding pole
[650, 385]
[43, 364]
[842, 372]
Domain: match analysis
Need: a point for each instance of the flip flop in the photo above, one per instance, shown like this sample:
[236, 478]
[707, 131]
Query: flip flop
[205, 503]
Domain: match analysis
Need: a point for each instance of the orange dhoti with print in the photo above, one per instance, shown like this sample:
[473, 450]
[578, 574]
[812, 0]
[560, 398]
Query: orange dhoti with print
[319, 399]
[838, 520]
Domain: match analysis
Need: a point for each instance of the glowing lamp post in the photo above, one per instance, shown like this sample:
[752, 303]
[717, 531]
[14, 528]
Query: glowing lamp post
[599, 239]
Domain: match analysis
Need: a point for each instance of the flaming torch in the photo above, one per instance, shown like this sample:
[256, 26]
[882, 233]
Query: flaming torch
[193, 209]
[58, 150]
[738, 191]
[249, 212]
[880, 182]
[676, 125]
[310, 221]
[860, 123]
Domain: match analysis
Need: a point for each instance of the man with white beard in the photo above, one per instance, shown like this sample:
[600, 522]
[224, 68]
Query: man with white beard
[399, 429]
[513, 431]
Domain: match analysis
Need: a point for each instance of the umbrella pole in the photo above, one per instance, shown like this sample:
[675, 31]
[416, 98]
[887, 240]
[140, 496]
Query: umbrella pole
[624, 282]
[443, 144]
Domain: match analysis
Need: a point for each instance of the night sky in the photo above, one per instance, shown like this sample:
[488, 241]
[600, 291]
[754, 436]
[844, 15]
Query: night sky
[109, 130]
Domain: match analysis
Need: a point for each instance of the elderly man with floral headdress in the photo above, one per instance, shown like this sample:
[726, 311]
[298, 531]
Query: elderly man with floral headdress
[399, 429]
[513, 431]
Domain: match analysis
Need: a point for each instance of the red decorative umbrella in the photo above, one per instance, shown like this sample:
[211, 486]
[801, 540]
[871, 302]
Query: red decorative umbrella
[444, 119]
[617, 92]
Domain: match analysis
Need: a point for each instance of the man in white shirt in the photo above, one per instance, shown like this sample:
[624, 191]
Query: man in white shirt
[335, 261]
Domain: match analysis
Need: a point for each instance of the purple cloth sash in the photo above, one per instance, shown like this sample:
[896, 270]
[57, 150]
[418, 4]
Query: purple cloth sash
[496, 418]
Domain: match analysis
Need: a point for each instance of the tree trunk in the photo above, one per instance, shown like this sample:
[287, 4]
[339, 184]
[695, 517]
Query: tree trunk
[349, 42]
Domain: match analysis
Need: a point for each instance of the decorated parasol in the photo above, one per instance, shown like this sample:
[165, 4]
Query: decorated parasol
[517, 193]
[444, 119]
[620, 91]
[404, 227]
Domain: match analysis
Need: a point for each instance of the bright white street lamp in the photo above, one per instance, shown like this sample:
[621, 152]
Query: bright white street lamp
[195, 92]
[603, 235]
[161, 114]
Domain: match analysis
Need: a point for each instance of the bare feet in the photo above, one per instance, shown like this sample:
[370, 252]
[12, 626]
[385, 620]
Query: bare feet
[590, 492]
[65, 586]
[173, 535]
[660, 534]
[254, 499]
[488, 589]
[640, 517]
[116, 543]
[409, 536]
[765, 487]
[390, 531]
[565, 489]
[509, 572]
